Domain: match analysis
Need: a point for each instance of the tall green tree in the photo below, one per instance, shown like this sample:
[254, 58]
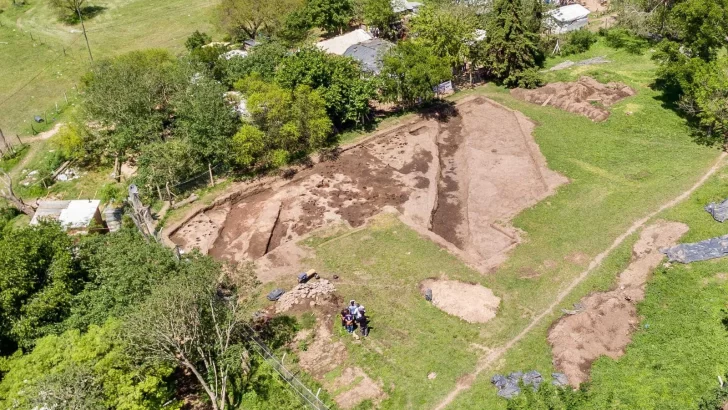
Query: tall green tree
[448, 30]
[410, 71]
[90, 370]
[243, 19]
[205, 119]
[193, 321]
[380, 15]
[262, 59]
[511, 47]
[330, 15]
[339, 80]
[39, 276]
[285, 124]
[128, 98]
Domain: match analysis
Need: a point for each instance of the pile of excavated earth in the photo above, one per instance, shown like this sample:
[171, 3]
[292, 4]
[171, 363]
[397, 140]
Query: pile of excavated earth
[587, 97]
[312, 293]
[461, 174]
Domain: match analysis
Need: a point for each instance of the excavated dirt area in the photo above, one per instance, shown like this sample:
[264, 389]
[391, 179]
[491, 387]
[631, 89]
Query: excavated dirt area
[461, 173]
[603, 322]
[470, 302]
[586, 97]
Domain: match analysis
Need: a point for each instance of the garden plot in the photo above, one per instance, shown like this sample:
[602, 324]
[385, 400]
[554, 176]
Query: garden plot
[461, 176]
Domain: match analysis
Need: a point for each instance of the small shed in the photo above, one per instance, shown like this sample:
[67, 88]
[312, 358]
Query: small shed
[339, 44]
[76, 216]
[567, 18]
[369, 53]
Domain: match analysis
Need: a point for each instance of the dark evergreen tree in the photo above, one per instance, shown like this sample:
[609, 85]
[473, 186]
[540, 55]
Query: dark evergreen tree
[511, 45]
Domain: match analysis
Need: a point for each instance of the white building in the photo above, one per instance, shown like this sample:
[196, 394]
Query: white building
[567, 18]
[74, 216]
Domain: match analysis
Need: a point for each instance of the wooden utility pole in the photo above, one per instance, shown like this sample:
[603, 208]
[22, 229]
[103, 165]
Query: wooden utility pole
[209, 169]
[88, 46]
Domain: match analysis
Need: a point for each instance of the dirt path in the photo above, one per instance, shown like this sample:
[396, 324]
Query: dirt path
[33, 148]
[486, 361]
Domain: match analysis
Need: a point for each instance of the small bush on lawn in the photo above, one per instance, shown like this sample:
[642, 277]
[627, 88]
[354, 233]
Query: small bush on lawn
[578, 42]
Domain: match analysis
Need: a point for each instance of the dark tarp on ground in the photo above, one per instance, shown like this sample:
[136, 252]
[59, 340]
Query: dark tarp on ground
[719, 210]
[508, 385]
[275, 294]
[698, 251]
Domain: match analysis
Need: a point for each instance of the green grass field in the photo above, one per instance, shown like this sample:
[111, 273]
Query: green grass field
[619, 171]
[36, 72]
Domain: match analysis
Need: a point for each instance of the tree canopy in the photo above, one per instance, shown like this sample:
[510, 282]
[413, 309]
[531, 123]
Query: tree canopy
[447, 30]
[410, 71]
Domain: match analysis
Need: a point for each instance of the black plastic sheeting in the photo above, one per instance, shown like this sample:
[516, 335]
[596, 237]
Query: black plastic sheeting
[719, 210]
[275, 294]
[698, 251]
[509, 386]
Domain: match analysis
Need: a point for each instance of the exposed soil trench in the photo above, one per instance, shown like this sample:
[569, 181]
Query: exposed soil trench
[463, 174]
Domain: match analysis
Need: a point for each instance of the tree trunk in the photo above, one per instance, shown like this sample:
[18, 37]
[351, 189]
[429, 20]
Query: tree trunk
[117, 168]
[203, 382]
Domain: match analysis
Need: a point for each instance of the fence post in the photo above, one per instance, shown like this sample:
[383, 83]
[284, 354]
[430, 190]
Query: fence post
[65, 97]
[18, 138]
[169, 193]
[209, 169]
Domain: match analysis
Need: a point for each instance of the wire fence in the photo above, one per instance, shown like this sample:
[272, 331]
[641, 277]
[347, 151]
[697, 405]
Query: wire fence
[307, 397]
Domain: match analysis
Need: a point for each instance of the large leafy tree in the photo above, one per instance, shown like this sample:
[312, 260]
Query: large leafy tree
[192, 321]
[87, 371]
[410, 71]
[511, 47]
[330, 15]
[122, 269]
[263, 59]
[205, 119]
[447, 30]
[380, 15]
[39, 276]
[246, 18]
[339, 80]
[285, 123]
[127, 100]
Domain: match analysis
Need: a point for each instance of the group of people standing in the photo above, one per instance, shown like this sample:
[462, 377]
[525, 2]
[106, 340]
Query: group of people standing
[355, 315]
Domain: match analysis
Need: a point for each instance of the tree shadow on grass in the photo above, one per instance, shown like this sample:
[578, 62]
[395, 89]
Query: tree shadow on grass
[439, 110]
[87, 12]
[669, 99]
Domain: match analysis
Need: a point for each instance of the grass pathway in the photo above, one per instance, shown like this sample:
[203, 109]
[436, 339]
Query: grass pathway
[486, 361]
[35, 144]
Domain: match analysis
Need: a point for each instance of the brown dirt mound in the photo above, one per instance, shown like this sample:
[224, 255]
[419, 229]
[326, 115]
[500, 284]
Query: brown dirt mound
[313, 292]
[472, 303]
[604, 322]
[586, 97]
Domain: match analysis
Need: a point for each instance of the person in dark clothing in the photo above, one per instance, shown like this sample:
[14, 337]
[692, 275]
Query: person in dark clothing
[349, 319]
[343, 317]
[363, 322]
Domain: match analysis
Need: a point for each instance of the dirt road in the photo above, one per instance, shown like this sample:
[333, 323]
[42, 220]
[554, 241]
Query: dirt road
[487, 361]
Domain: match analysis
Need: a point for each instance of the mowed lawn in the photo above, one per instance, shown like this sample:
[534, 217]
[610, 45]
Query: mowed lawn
[619, 171]
[36, 72]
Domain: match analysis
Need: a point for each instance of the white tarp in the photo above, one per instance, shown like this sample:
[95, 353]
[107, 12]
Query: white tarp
[71, 214]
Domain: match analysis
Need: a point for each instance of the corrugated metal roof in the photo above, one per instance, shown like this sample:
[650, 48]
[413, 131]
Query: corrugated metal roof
[71, 214]
[369, 53]
[569, 13]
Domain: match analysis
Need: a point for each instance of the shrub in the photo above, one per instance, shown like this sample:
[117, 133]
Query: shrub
[623, 38]
[530, 78]
[578, 42]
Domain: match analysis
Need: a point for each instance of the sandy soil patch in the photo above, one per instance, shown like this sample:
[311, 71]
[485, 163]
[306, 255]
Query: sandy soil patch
[586, 97]
[472, 303]
[461, 175]
[357, 386]
[323, 354]
[604, 322]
